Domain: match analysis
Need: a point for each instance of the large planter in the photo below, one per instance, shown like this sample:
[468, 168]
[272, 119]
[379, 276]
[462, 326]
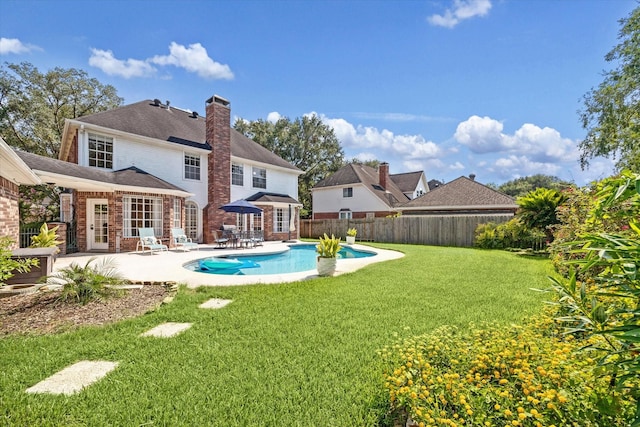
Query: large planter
[45, 257]
[351, 240]
[326, 266]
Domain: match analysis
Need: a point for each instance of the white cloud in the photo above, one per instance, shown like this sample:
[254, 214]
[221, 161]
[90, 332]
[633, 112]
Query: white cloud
[456, 166]
[273, 116]
[195, 59]
[462, 9]
[105, 61]
[481, 135]
[514, 166]
[388, 144]
[8, 46]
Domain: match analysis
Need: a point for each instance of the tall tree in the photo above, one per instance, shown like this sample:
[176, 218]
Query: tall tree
[611, 113]
[33, 105]
[374, 163]
[305, 142]
[521, 186]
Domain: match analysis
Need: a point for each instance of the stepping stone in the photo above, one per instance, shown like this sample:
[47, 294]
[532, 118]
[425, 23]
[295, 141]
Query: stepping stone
[167, 330]
[74, 378]
[215, 303]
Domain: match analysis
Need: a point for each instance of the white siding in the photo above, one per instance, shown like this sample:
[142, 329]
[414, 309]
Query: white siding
[331, 200]
[165, 162]
[278, 181]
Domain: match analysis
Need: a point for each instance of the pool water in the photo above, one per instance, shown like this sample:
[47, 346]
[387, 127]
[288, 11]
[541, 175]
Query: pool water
[298, 258]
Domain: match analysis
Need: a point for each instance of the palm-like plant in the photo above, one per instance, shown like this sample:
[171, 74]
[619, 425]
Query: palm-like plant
[89, 282]
[538, 208]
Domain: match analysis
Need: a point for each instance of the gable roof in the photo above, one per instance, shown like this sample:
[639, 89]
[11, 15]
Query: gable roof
[353, 173]
[178, 126]
[408, 181]
[85, 178]
[461, 193]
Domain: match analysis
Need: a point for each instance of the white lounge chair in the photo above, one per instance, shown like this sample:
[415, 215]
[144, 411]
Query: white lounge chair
[149, 240]
[180, 240]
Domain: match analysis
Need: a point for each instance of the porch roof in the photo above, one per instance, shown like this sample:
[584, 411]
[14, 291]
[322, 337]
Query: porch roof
[265, 197]
[83, 178]
[14, 168]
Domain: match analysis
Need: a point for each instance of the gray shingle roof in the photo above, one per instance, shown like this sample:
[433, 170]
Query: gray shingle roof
[272, 197]
[461, 192]
[177, 126]
[407, 181]
[361, 174]
[132, 176]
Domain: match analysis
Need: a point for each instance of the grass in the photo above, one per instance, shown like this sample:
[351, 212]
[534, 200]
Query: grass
[298, 354]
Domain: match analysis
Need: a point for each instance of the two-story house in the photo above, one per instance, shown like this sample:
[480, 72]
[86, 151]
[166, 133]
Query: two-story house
[148, 164]
[360, 191]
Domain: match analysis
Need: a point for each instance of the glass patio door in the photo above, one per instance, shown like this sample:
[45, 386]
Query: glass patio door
[97, 224]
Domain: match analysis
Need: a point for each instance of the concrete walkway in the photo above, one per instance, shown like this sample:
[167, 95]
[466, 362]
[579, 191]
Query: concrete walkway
[168, 266]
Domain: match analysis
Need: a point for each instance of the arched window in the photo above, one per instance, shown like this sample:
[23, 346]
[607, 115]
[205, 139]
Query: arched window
[191, 220]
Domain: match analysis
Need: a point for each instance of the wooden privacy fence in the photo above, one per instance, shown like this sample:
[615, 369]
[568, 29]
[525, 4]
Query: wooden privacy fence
[445, 230]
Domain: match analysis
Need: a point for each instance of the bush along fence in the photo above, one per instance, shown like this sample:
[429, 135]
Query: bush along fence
[437, 230]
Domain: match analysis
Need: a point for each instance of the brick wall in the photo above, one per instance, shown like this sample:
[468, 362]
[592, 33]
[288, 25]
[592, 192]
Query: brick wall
[218, 136]
[355, 215]
[9, 211]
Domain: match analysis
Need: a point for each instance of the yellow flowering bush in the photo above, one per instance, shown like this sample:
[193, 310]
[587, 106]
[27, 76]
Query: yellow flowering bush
[502, 376]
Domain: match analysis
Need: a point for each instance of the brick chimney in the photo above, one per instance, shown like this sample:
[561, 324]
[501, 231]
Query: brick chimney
[383, 174]
[218, 134]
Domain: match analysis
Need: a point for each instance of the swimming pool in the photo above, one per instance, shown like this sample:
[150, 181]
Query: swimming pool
[296, 259]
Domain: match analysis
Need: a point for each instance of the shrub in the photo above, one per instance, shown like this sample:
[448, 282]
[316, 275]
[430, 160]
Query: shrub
[88, 283]
[8, 265]
[511, 234]
[498, 376]
[538, 208]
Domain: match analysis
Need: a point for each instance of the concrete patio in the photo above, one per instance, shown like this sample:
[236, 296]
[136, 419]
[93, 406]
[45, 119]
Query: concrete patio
[168, 266]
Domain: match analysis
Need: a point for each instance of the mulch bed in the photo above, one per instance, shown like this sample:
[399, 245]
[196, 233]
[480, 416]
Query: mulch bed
[42, 313]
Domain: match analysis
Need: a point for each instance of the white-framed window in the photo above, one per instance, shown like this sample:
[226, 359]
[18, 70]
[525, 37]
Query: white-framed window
[177, 213]
[100, 151]
[141, 212]
[191, 220]
[259, 177]
[347, 192]
[192, 166]
[281, 223]
[370, 215]
[419, 193]
[237, 174]
[345, 215]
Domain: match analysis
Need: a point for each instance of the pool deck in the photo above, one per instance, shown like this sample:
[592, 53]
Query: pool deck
[168, 266]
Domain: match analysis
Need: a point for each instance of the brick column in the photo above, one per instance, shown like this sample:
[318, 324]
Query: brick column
[62, 235]
[218, 134]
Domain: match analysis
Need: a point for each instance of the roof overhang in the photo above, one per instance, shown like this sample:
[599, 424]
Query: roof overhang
[14, 168]
[82, 184]
[266, 165]
[458, 208]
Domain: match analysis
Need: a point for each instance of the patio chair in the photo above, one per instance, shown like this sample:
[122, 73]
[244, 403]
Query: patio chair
[258, 237]
[180, 240]
[221, 241]
[149, 240]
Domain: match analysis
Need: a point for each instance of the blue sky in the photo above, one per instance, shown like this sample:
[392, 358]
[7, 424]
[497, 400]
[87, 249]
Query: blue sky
[451, 87]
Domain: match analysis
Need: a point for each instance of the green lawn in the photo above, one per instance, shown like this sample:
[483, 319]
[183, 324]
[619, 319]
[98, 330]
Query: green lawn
[298, 354]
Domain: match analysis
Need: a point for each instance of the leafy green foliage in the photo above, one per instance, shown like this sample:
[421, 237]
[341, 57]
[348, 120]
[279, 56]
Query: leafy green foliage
[509, 235]
[353, 232]
[39, 203]
[305, 142]
[8, 265]
[538, 208]
[521, 186]
[47, 238]
[611, 113]
[34, 105]
[89, 282]
[328, 246]
[498, 376]
[601, 296]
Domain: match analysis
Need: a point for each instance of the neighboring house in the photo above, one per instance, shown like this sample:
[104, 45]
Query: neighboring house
[412, 184]
[360, 191]
[13, 173]
[462, 196]
[151, 165]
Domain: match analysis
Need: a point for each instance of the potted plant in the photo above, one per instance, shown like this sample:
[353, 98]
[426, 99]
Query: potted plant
[327, 249]
[351, 236]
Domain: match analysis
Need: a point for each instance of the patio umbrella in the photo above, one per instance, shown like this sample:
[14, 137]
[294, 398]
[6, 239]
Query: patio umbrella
[241, 207]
